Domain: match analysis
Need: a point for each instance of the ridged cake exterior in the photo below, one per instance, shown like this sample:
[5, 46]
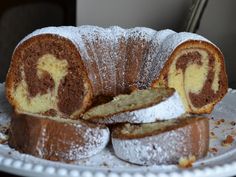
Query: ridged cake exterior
[55, 138]
[63, 70]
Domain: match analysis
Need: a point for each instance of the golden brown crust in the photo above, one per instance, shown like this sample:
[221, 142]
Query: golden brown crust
[57, 140]
[179, 123]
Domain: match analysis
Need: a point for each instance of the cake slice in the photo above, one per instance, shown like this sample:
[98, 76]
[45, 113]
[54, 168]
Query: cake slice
[141, 106]
[163, 142]
[55, 138]
[195, 67]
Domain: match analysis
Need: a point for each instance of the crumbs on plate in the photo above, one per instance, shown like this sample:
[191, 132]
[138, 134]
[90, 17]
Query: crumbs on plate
[213, 135]
[228, 140]
[186, 162]
[213, 150]
[218, 122]
[233, 123]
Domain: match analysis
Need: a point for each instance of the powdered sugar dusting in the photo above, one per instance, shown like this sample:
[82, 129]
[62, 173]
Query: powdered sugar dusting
[103, 48]
[147, 35]
[158, 149]
[63, 31]
[118, 59]
[96, 140]
[171, 42]
[136, 50]
[118, 56]
[170, 108]
[86, 35]
[158, 61]
[84, 141]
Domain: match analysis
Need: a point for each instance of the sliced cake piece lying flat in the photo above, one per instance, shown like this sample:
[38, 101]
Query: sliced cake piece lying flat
[163, 142]
[141, 106]
[55, 138]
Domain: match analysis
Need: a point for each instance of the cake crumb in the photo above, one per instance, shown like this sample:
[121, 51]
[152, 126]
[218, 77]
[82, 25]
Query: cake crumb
[218, 122]
[212, 135]
[228, 141]
[186, 162]
[233, 123]
[213, 150]
[104, 164]
[222, 120]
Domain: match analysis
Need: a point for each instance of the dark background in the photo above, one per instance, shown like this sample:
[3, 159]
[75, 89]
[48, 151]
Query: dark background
[20, 17]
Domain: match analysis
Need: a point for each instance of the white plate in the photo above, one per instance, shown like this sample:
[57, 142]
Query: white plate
[220, 163]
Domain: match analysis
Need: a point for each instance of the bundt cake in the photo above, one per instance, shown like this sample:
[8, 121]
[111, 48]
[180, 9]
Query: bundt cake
[62, 71]
[163, 142]
[55, 138]
[141, 106]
